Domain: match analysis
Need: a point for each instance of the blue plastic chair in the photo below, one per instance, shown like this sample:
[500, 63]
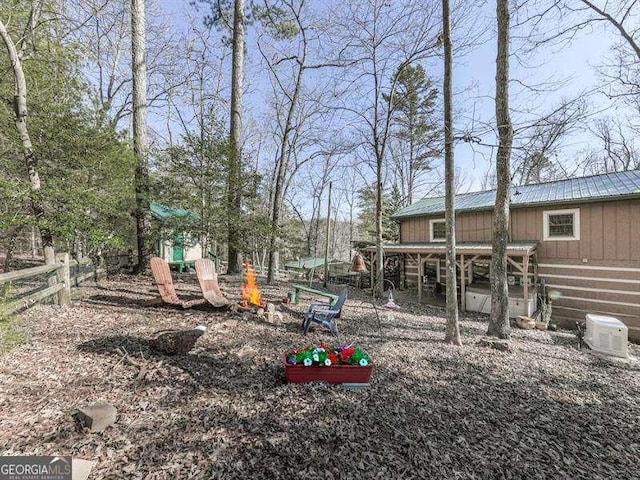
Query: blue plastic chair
[325, 314]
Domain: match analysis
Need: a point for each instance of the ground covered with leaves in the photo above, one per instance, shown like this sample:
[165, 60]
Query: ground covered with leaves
[542, 410]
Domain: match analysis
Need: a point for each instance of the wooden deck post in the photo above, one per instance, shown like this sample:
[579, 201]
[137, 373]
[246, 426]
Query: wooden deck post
[463, 286]
[371, 274]
[419, 279]
[525, 283]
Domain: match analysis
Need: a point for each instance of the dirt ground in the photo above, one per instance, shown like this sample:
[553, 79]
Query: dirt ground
[543, 410]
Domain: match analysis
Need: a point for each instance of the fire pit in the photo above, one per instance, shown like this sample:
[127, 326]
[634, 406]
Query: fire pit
[252, 301]
[251, 295]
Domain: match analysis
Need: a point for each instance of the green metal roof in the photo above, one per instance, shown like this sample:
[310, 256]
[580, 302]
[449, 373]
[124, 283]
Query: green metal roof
[164, 213]
[308, 262]
[583, 189]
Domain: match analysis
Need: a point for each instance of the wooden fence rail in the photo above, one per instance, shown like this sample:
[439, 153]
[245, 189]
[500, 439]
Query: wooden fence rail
[60, 275]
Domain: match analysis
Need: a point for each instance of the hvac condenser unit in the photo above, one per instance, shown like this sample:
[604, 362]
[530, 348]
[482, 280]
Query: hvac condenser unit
[607, 335]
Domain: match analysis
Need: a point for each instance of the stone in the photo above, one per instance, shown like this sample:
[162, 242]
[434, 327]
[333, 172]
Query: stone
[177, 342]
[97, 416]
[501, 345]
[246, 352]
[354, 386]
[525, 323]
[80, 468]
[273, 316]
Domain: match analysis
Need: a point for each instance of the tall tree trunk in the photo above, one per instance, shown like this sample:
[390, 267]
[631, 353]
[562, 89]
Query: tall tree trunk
[30, 160]
[379, 291]
[140, 148]
[452, 334]
[326, 241]
[283, 165]
[234, 187]
[499, 321]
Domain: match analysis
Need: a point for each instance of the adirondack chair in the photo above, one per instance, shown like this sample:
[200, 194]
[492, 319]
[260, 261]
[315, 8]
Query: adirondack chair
[208, 279]
[164, 282]
[325, 314]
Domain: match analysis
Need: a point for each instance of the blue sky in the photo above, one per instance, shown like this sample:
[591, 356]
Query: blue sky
[474, 84]
[574, 64]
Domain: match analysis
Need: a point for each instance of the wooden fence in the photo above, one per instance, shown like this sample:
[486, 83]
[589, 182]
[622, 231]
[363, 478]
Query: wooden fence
[59, 275]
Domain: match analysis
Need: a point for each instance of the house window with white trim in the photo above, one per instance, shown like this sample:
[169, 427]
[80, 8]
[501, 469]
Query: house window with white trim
[437, 230]
[561, 224]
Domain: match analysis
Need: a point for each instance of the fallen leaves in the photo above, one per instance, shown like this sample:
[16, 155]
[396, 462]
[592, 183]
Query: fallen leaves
[542, 410]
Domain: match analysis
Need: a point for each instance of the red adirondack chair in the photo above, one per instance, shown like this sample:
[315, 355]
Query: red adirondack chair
[164, 282]
[208, 279]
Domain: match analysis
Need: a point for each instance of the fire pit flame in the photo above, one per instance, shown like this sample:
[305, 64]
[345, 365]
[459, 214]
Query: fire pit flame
[250, 291]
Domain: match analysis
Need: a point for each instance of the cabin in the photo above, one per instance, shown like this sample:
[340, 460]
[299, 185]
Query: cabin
[578, 237]
[175, 242]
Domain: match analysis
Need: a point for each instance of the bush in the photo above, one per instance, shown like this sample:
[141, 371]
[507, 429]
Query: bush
[11, 335]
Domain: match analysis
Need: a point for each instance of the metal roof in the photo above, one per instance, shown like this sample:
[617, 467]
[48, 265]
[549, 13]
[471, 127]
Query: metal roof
[514, 249]
[573, 190]
[309, 262]
[164, 213]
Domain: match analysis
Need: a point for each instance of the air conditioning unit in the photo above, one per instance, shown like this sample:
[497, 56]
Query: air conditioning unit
[607, 335]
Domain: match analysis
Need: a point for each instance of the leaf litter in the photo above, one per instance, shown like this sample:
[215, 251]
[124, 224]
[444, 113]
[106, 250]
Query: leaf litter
[544, 409]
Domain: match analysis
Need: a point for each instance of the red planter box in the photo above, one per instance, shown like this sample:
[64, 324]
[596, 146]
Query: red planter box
[332, 374]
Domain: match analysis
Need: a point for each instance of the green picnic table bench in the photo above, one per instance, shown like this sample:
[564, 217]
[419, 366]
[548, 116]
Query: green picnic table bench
[182, 265]
[303, 288]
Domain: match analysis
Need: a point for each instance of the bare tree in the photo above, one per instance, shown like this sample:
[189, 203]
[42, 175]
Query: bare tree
[623, 16]
[199, 154]
[140, 146]
[452, 334]
[101, 34]
[619, 150]
[296, 64]
[382, 39]
[318, 179]
[539, 141]
[499, 320]
[571, 17]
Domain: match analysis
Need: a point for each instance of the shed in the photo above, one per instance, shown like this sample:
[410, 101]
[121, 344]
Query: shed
[177, 243]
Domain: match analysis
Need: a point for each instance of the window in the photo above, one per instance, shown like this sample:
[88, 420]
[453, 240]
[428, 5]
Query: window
[562, 224]
[437, 230]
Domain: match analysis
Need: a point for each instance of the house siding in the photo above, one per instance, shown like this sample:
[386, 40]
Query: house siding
[600, 273]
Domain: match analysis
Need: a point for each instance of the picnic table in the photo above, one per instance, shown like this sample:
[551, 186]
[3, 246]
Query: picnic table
[303, 288]
[182, 265]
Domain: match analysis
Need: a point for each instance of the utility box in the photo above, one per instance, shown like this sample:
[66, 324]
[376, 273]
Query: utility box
[479, 300]
[607, 335]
